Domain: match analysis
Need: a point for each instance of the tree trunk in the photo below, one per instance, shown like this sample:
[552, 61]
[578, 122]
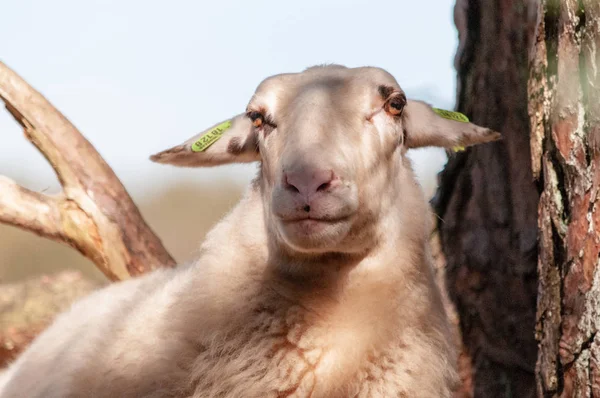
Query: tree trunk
[565, 115]
[487, 200]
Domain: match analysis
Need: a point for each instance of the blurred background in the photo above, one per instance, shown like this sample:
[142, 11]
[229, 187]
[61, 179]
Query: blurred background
[137, 77]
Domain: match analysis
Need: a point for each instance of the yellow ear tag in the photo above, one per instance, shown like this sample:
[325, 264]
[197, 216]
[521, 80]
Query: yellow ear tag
[211, 137]
[457, 117]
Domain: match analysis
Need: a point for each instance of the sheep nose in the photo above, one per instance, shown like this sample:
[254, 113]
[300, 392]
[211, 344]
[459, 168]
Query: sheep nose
[309, 182]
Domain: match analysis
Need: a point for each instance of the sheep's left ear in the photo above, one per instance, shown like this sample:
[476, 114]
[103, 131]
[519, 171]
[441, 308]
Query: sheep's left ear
[427, 126]
[231, 141]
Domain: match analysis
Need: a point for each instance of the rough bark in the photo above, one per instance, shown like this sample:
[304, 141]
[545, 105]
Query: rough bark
[487, 200]
[94, 213]
[565, 116]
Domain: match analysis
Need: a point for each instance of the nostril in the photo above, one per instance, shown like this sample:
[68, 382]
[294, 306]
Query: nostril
[323, 186]
[288, 186]
[324, 180]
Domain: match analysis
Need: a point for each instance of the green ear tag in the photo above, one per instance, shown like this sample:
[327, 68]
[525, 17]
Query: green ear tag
[456, 116]
[211, 137]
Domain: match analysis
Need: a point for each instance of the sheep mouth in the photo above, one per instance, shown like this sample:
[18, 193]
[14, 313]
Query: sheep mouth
[322, 219]
[309, 219]
[313, 226]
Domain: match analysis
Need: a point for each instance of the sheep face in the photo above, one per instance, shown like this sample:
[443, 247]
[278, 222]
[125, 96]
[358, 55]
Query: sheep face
[326, 138]
[331, 142]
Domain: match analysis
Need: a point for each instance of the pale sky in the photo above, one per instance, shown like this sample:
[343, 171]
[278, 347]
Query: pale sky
[137, 77]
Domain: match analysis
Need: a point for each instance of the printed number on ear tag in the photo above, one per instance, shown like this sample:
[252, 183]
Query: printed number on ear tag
[456, 116]
[211, 137]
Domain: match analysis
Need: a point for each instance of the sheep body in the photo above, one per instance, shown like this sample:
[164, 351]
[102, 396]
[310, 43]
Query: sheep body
[250, 320]
[225, 327]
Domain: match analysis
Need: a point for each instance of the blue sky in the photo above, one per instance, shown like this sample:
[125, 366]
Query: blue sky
[139, 76]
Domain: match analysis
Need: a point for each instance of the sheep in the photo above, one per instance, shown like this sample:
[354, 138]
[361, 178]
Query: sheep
[319, 283]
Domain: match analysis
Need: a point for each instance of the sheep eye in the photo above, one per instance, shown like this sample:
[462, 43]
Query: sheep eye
[395, 105]
[257, 118]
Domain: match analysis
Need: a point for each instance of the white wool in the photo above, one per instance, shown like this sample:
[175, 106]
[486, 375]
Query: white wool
[351, 310]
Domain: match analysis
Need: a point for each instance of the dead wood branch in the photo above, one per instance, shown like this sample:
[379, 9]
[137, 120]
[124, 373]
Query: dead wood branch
[94, 213]
[28, 307]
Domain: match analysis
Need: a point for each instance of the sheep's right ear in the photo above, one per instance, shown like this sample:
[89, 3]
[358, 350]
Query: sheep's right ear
[427, 126]
[231, 141]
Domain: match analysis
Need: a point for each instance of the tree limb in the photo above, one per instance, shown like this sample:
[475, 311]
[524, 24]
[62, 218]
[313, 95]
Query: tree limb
[95, 214]
[30, 210]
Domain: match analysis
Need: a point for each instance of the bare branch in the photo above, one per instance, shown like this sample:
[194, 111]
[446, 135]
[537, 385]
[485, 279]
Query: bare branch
[96, 215]
[30, 210]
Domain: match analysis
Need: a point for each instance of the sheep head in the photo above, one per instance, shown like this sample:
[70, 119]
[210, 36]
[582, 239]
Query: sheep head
[331, 142]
